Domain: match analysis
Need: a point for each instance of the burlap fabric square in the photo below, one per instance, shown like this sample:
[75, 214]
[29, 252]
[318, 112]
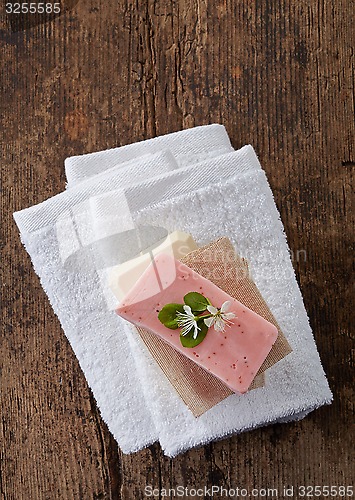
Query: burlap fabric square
[199, 389]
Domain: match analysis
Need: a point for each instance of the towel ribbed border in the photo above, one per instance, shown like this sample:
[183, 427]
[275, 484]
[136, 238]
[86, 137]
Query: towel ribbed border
[185, 143]
[144, 194]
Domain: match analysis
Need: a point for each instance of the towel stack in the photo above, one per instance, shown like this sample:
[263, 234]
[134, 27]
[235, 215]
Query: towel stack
[192, 181]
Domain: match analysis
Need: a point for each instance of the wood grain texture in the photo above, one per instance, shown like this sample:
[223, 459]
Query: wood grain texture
[278, 75]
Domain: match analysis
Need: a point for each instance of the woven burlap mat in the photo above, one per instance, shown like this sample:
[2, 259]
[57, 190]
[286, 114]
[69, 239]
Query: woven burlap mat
[199, 389]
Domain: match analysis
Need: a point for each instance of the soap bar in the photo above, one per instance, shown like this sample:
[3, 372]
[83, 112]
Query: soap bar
[234, 355]
[124, 276]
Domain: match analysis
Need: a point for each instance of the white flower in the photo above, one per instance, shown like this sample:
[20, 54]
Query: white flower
[221, 317]
[187, 321]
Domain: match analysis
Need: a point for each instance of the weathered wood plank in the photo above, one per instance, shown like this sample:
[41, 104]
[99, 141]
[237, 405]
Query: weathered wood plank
[277, 75]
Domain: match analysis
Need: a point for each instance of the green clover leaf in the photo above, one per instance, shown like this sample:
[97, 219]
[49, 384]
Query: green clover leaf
[196, 301]
[188, 339]
[167, 315]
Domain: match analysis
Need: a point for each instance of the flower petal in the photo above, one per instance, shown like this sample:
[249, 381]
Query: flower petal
[225, 306]
[212, 309]
[196, 331]
[188, 311]
[209, 321]
[228, 316]
[219, 324]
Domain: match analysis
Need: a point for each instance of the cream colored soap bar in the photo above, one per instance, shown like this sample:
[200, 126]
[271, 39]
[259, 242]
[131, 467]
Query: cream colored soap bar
[124, 276]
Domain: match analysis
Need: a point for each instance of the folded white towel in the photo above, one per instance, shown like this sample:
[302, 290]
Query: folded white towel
[62, 248]
[229, 196]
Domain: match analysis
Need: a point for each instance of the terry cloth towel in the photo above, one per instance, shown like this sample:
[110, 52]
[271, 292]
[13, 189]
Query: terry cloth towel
[230, 196]
[187, 146]
[62, 249]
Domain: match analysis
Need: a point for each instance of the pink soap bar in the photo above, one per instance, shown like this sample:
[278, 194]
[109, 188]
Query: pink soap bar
[234, 355]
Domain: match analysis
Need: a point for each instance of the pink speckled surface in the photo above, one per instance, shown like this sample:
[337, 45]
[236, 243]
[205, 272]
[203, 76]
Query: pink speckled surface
[234, 355]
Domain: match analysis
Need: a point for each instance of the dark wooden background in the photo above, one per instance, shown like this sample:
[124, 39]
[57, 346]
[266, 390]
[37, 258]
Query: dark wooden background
[279, 75]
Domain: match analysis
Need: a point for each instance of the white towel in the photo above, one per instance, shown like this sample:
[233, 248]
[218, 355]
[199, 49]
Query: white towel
[61, 246]
[229, 195]
[59, 241]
